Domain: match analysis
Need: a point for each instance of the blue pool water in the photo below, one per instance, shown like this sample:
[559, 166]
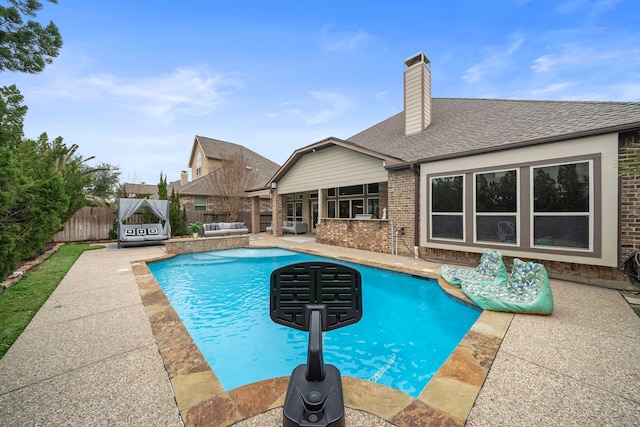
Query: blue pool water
[408, 328]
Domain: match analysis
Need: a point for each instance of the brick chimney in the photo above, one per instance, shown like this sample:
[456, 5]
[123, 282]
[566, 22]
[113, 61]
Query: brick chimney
[417, 94]
[184, 178]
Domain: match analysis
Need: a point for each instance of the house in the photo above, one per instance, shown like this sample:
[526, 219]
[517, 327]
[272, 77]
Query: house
[212, 189]
[140, 190]
[221, 171]
[446, 178]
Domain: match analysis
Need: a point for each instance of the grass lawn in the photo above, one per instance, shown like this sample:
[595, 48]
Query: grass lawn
[21, 302]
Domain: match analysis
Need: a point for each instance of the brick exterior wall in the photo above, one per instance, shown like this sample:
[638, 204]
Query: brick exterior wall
[401, 195]
[255, 214]
[277, 210]
[629, 206]
[215, 204]
[581, 273]
[370, 235]
[250, 211]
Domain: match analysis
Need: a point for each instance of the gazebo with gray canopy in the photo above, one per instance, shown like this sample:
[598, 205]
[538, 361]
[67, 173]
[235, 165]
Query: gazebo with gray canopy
[143, 233]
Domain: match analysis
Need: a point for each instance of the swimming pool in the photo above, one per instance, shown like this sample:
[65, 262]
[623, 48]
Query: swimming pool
[408, 329]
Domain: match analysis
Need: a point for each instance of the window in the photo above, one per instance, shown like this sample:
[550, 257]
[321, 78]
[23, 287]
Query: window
[373, 207]
[351, 190]
[545, 207]
[331, 209]
[200, 204]
[342, 204]
[198, 163]
[447, 215]
[496, 206]
[294, 211]
[357, 207]
[562, 205]
[294, 207]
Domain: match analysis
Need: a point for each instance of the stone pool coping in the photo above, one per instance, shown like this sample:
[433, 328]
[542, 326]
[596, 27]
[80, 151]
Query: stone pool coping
[202, 400]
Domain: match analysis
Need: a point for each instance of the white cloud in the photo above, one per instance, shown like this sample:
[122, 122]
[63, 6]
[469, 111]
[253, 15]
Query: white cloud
[593, 9]
[344, 41]
[549, 91]
[515, 46]
[330, 104]
[186, 91]
[571, 56]
[382, 96]
[189, 91]
[473, 74]
[570, 6]
[497, 58]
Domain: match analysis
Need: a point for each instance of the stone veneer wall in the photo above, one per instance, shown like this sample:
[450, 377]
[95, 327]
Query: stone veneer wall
[368, 234]
[629, 206]
[204, 244]
[401, 194]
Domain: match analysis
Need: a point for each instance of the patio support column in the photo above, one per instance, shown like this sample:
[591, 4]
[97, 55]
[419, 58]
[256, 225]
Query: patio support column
[320, 205]
[276, 212]
[255, 214]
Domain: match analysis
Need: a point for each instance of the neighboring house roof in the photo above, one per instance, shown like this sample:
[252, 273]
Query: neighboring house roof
[141, 190]
[462, 127]
[262, 167]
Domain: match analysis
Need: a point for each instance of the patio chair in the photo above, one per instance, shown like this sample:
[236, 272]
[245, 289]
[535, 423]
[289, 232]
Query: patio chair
[527, 291]
[490, 269]
[506, 232]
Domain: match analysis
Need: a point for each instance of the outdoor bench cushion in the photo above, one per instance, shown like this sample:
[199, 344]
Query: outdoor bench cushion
[490, 269]
[527, 291]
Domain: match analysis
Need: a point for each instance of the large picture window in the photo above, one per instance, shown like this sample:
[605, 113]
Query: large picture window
[496, 206]
[447, 202]
[562, 205]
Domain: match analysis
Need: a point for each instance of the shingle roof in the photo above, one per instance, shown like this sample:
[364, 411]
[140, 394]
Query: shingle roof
[465, 126]
[262, 167]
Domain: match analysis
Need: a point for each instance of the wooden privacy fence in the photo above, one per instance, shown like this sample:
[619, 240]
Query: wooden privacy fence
[94, 223]
[88, 224]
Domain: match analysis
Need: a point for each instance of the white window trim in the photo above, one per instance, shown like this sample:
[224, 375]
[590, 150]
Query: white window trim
[461, 214]
[590, 214]
[516, 213]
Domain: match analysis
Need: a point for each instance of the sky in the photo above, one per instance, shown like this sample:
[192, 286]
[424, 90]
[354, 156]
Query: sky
[137, 80]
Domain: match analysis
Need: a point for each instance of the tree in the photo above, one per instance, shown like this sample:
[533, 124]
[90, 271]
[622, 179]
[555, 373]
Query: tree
[40, 185]
[103, 188]
[26, 47]
[230, 182]
[177, 218]
[162, 187]
[12, 178]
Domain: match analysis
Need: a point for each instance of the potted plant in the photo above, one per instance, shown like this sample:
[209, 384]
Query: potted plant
[195, 228]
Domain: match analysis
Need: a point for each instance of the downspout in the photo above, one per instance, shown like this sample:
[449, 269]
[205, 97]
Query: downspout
[415, 168]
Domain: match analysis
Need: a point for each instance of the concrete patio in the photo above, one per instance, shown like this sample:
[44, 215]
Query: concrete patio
[89, 356]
